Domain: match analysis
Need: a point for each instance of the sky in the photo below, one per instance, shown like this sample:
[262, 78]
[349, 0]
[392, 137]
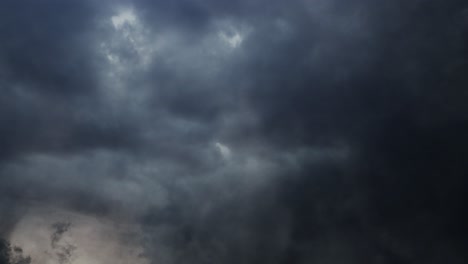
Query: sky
[242, 131]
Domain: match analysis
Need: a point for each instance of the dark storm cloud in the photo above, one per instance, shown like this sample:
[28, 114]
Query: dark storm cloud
[392, 91]
[242, 131]
[49, 78]
[49, 101]
[393, 63]
[45, 45]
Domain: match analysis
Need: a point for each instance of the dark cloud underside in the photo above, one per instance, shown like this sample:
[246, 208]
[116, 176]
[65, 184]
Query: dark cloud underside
[307, 131]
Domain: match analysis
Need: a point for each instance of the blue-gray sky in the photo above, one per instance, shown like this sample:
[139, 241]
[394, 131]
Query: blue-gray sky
[202, 131]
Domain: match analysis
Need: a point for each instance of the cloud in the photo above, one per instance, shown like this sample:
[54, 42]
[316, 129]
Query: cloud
[236, 131]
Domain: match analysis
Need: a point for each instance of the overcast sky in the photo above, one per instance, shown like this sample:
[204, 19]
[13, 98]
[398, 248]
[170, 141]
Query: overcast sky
[241, 131]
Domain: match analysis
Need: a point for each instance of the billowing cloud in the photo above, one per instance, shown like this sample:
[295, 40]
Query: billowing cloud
[324, 131]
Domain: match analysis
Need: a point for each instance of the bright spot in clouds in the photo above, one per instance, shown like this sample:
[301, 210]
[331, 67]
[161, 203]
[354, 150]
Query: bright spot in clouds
[83, 240]
[234, 40]
[126, 16]
[223, 150]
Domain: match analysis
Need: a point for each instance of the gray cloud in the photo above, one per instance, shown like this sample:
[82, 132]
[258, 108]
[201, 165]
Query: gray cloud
[238, 131]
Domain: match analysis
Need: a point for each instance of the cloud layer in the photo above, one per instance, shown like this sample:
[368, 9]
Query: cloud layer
[306, 131]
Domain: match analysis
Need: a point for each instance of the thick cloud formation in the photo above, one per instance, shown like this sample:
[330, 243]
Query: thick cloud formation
[308, 131]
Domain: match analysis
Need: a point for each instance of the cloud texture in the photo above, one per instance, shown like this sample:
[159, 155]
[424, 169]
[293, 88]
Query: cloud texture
[202, 131]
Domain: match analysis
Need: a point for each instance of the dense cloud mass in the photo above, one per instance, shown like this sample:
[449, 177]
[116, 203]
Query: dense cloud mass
[246, 131]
